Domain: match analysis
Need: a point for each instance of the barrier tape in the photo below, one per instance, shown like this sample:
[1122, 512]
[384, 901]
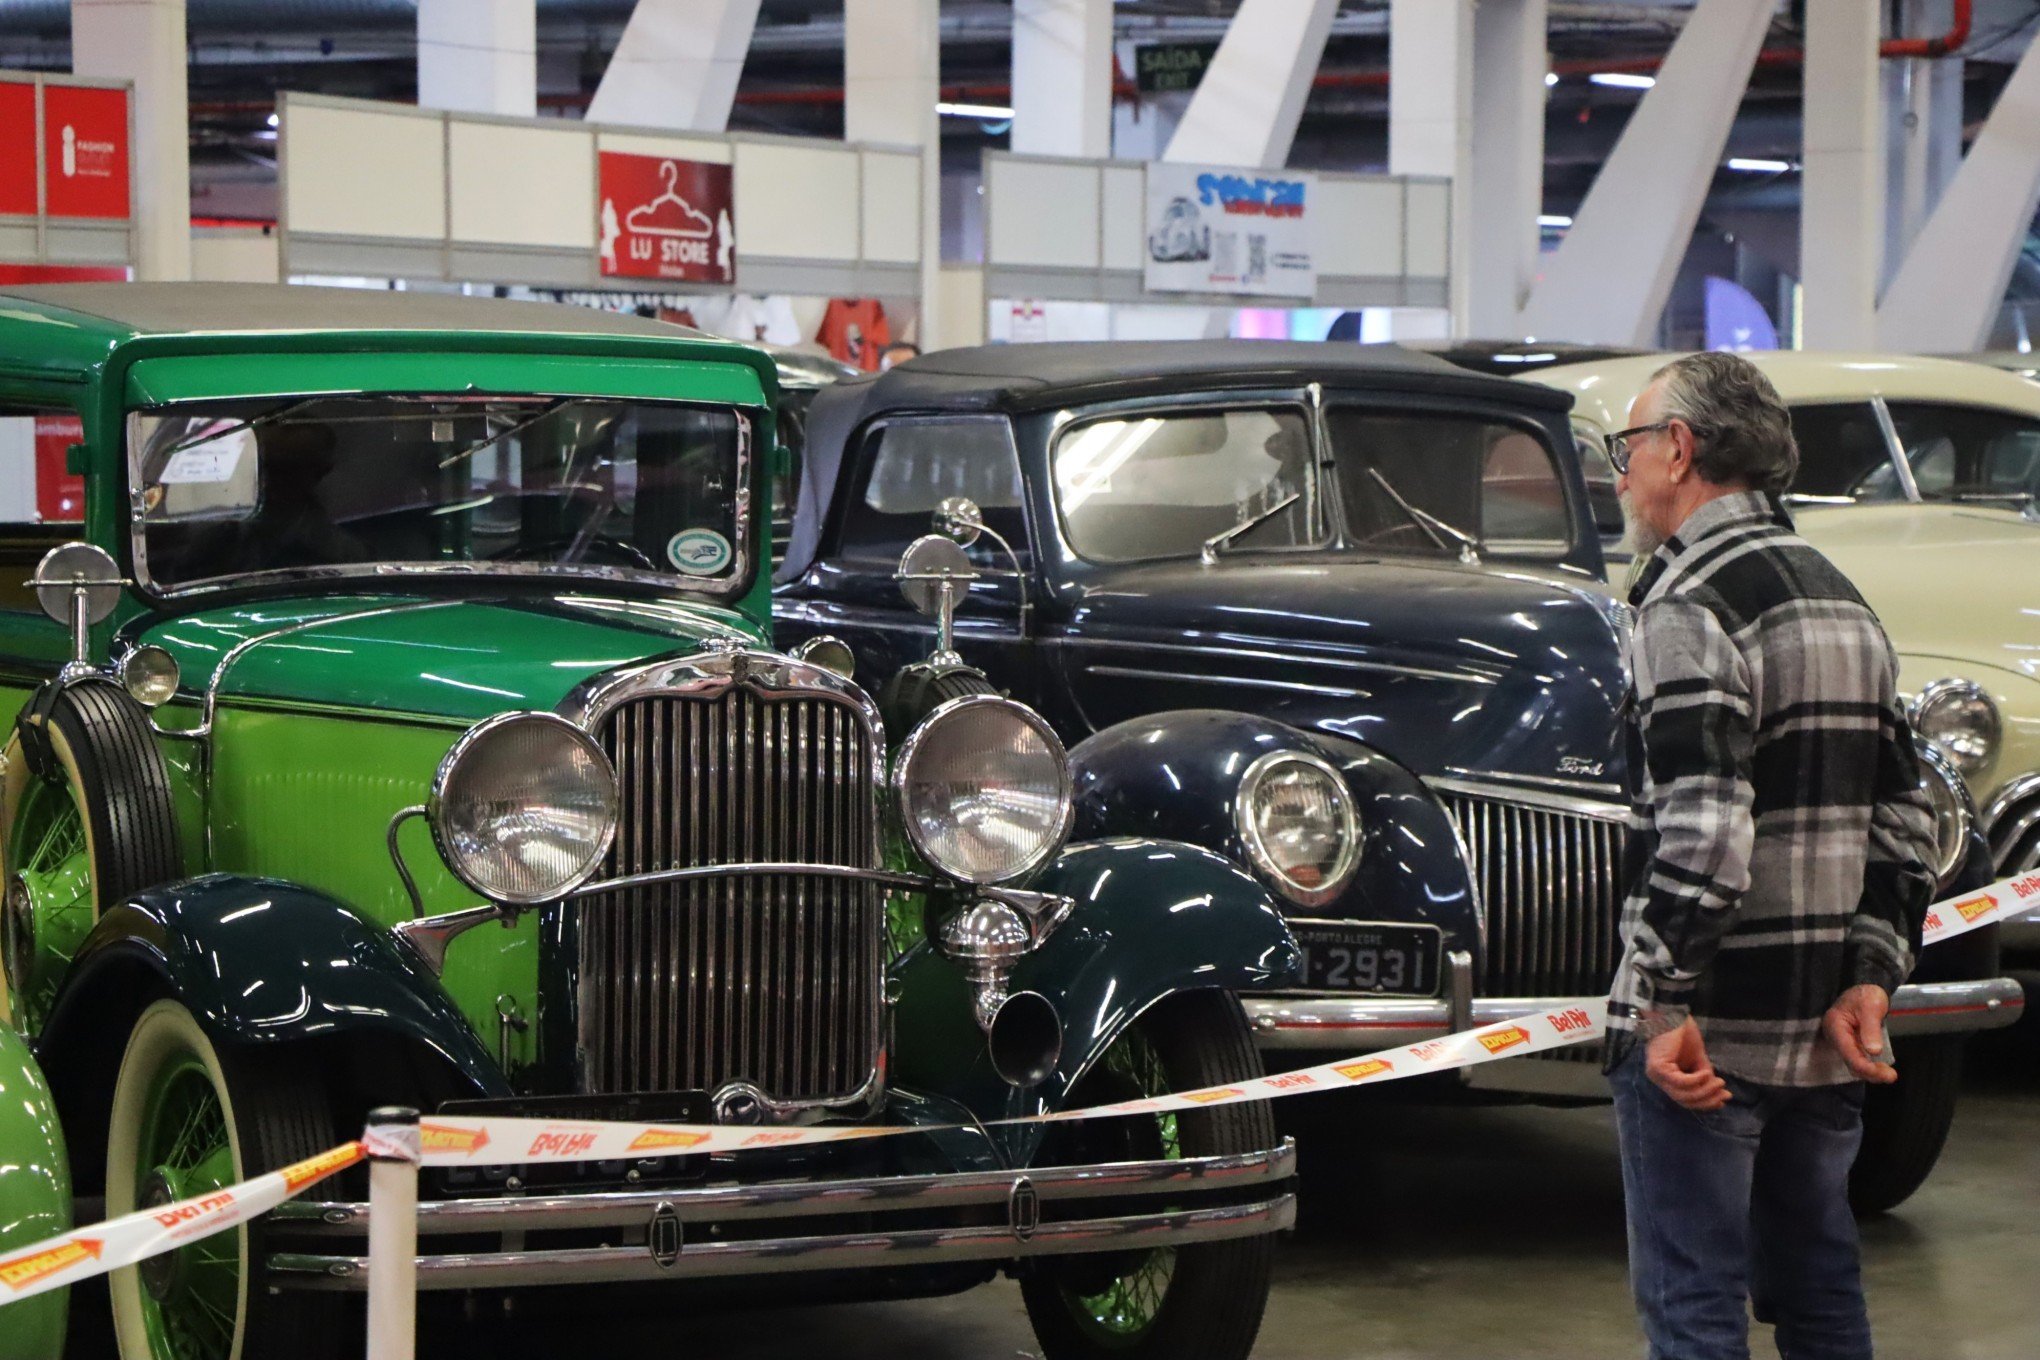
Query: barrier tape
[460, 1141]
[86, 1252]
[2006, 898]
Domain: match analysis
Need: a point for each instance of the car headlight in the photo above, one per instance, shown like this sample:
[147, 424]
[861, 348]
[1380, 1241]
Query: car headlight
[523, 808]
[984, 789]
[1299, 825]
[1951, 815]
[1960, 721]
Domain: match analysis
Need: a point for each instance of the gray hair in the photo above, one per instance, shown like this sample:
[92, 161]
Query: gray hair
[1741, 429]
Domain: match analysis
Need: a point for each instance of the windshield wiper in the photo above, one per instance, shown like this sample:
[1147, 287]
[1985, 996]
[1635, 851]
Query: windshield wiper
[252, 423]
[548, 409]
[1469, 548]
[1208, 554]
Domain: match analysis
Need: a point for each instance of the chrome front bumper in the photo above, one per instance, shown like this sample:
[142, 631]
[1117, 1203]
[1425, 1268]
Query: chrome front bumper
[1349, 1024]
[1194, 1199]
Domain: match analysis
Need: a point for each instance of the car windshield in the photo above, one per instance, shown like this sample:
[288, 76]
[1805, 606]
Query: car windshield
[1969, 453]
[237, 487]
[1437, 484]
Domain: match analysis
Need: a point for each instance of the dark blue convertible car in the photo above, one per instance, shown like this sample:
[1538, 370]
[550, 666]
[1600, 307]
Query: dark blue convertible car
[1351, 602]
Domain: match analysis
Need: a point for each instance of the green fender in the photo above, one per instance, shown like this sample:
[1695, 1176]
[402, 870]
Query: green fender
[256, 961]
[35, 1198]
[1152, 919]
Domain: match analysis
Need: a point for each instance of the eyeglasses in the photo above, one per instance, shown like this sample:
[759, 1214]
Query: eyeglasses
[1618, 443]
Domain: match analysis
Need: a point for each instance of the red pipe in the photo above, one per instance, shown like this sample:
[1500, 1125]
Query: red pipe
[1951, 41]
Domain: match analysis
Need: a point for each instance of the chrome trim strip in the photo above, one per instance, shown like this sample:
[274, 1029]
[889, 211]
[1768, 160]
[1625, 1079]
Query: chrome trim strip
[798, 1199]
[2005, 822]
[1894, 448]
[1505, 780]
[798, 1255]
[1369, 1024]
[1202, 654]
[891, 878]
[1598, 809]
[1238, 681]
[722, 586]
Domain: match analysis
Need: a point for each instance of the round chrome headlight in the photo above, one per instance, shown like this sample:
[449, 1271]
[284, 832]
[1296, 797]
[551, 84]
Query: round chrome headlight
[1299, 825]
[1951, 814]
[1960, 721]
[984, 789]
[524, 807]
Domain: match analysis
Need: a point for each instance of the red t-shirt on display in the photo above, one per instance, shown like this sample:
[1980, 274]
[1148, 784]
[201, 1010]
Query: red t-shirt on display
[855, 331]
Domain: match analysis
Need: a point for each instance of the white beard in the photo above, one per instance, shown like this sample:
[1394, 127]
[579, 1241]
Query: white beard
[1638, 538]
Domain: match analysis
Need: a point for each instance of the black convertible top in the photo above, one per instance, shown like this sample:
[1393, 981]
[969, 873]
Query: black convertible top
[1013, 378]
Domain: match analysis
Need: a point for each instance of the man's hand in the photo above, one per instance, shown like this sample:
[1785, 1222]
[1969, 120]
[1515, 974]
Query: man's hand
[1855, 1026]
[1677, 1062]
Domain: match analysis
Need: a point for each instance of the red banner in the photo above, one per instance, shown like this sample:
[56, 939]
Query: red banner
[85, 151]
[667, 219]
[59, 495]
[17, 148]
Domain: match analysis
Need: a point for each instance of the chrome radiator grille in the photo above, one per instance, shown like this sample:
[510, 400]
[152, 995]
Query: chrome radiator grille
[1551, 883]
[775, 980]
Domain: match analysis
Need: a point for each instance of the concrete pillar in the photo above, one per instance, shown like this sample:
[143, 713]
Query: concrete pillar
[1923, 120]
[1430, 116]
[143, 41]
[1948, 292]
[1499, 197]
[478, 56]
[891, 81]
[677, 65]
[1609, 279]
[1062, 78]
[1841, 222]
[1247, 107]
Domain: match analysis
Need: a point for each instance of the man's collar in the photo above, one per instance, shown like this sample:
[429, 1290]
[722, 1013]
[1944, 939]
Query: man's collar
[1717, 516]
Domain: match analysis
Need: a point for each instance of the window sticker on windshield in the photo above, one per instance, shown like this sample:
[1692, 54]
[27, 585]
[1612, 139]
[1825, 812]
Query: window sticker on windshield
[212, 461]
[698, 552]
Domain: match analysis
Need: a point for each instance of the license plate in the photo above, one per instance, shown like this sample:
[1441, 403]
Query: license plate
[1380, 960]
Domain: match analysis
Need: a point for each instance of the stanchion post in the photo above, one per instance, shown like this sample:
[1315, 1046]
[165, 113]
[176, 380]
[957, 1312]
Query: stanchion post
[392, 1141]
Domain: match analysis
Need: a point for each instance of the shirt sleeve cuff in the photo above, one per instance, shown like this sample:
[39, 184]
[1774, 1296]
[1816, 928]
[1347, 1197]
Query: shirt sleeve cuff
[1653, 1021]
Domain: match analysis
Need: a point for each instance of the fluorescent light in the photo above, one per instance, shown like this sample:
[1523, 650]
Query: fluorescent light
[973, 111]
[1553, 220]
[1623, 80]
[1757, 165]
[1550, 79]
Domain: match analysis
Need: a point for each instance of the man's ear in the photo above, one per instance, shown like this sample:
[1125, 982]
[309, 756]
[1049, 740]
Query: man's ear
[1681, 461]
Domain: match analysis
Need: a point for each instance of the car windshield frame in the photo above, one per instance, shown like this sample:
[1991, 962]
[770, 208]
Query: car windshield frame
[726, 587]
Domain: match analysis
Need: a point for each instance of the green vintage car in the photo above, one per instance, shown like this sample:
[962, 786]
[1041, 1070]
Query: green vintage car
[392, 719]
[35, 1203]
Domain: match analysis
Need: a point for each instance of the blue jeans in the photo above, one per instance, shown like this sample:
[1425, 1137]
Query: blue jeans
[1747, 1201]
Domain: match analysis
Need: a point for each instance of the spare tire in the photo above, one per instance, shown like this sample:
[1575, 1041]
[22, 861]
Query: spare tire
[88, 820]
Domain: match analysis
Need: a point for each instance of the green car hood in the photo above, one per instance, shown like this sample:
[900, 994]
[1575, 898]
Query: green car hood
[452, 660]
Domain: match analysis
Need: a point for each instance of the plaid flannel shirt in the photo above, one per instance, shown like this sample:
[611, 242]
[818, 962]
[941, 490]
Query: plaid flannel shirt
[1780, 833]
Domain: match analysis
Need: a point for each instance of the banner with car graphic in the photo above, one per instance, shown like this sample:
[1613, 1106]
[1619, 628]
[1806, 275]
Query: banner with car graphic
[1216, 230]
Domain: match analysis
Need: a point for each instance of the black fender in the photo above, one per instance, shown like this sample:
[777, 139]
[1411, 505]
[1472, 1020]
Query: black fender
[1152, 919]
[1177, 775]
[257, 961]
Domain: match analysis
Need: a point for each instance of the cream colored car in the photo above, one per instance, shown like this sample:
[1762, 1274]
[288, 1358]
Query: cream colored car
[1917, 478]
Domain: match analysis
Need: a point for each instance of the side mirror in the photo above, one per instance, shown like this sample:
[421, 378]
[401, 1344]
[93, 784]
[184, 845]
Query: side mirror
[78, 585]
[933, 575]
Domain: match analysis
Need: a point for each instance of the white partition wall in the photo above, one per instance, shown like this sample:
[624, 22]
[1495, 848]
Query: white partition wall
[475, 198]
[1077, 230]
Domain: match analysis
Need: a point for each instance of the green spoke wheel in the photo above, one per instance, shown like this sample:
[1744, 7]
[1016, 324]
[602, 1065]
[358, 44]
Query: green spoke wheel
[1204, 1300]
[186, 1121]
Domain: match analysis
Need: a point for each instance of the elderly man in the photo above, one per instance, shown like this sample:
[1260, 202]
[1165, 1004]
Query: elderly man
[1780, 838]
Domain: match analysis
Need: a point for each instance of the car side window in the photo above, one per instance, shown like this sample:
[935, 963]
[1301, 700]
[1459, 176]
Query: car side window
[1143, 486]
[1969, 453]
[908, 467]
[41, 505]
[1843, 453]
[1422, 482]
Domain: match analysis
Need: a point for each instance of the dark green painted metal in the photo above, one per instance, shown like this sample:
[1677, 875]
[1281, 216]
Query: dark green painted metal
[260, 961]
[1152, 918]
[158, 382]
[35, 1197]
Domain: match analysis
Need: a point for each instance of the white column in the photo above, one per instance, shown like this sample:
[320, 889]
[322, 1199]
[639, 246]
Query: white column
[1923, 121]
[1841, 222]
[1948, 292]
[143, 41]
[1062, 78]
[677, 65]
[1609, 279]
[478, 56]
[1247, 107]
[1430, 115]
[891, 80]
[1498, 199]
